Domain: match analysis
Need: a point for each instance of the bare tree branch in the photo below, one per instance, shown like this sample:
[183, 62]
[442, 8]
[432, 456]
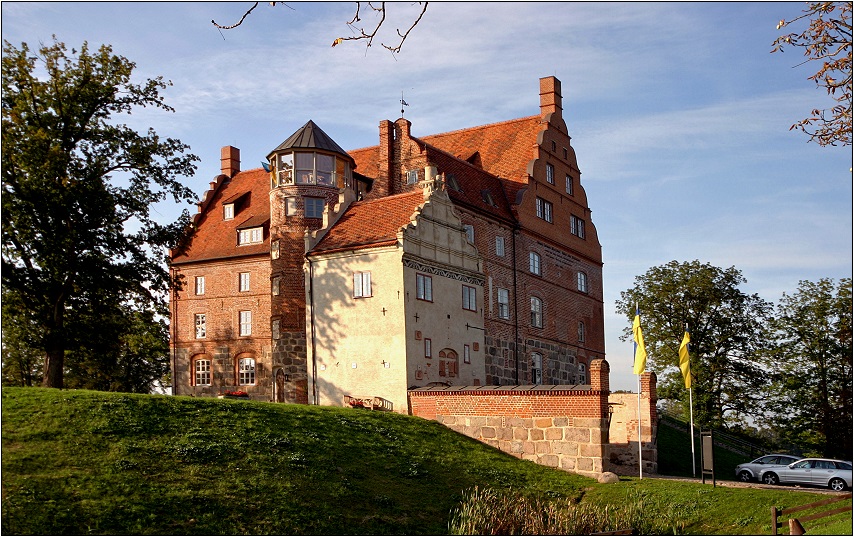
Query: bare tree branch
[238, 22]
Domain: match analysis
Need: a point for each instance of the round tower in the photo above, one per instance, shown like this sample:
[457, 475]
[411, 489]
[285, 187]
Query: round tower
[307, 171]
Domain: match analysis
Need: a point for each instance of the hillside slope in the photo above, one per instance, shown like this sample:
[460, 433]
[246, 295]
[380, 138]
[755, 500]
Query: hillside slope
[91, 462]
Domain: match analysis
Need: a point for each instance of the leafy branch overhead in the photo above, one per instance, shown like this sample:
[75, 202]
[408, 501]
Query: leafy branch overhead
[827, 39]
[360, 33]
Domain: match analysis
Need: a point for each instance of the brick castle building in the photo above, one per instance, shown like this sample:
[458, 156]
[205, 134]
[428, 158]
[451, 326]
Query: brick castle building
[461, 258]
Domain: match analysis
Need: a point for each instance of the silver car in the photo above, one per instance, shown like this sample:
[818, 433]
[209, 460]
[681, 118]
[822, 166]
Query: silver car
[822, 472]
[749, 471]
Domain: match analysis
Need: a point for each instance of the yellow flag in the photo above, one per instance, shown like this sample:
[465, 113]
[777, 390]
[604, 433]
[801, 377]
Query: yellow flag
[684, 361]
[640, 348]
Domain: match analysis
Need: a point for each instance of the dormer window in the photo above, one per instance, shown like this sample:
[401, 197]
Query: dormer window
[228, 211]
[453, 184]
[252, 235]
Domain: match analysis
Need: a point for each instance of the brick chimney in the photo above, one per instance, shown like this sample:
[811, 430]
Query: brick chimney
[230, 161]
[550, 99]
[385, 159]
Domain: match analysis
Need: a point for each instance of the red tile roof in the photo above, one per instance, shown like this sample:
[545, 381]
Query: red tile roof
[505, 148]
[371, 223]
[216, 238]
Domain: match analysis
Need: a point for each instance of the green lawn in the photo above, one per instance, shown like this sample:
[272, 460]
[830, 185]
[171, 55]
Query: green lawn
[81, 462]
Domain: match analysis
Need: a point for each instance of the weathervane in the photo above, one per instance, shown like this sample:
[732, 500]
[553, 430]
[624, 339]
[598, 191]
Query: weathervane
[402, 103]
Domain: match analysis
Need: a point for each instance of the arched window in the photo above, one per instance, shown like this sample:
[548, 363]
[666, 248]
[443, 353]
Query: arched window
[448, 363]
[201, 370]
[246, 371]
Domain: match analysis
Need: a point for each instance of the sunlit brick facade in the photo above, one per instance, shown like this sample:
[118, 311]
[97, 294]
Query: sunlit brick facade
[512, 259]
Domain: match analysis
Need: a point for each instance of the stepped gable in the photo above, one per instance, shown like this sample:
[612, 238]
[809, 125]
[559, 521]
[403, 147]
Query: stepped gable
[309, 136]
[216, 238]
[372, 223]
[504, 149]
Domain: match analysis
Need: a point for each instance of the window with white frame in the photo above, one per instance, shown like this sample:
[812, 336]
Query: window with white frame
[202, 368]
[469, 298]
[544, 209]
[314, 207]
[576, 226]
[275, 284]
[569, 185]
[361, 284]
[246, 371]
[581, 331]
[201, 326]
[499, 246]
[582, 282]
[466, 354]
[550, 173]
[469, 233]
[536, 368]
[503, 303]
[243, 282]
[411, 177]
[536, 312]
[200, 285]
[228, 211]
[252, 235]
[534, 263]
[290, 206]
[245, 323]
[274, 249]
[424, 287]
[428, 348]
[582, 373]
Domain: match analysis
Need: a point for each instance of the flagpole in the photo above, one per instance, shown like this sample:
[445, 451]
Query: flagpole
[640, 433]
[691, 407]
[640, 425]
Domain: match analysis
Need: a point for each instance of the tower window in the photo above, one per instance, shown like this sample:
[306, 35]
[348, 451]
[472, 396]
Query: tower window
[314, 207]
[582, 282]
[411, 177]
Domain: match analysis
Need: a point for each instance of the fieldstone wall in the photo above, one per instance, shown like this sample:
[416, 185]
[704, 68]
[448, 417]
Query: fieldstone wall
[560, 426]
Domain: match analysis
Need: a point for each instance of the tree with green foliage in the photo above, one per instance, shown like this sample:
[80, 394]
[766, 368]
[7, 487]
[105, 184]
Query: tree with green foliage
[810, 401]
[78, 190]
[727, 327]
[827, 40]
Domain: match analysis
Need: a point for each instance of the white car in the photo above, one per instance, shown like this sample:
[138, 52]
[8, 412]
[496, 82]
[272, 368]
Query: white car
[822, 472]
[749, 471]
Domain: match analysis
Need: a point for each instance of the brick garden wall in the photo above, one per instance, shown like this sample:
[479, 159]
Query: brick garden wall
[559, 426]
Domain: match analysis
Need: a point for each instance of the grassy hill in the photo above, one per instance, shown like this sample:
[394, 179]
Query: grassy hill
[78, 462]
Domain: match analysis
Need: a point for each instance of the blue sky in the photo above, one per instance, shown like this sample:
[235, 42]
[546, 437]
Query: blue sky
[678, 112]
